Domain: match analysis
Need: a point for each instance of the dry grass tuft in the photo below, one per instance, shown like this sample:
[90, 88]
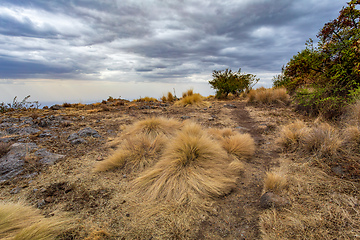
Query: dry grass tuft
[269, 96]
[322, 207]
[25, 223]
[135, 154]
[194, 100]
[188, 93]
[240, 145]
[220, 134]
[154, 126]
[146, 99]
[323, 140]
[169, 98]
[292, 135]
[193, 166]
[274, 182]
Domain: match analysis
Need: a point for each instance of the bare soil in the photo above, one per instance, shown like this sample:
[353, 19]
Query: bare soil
[69, 187]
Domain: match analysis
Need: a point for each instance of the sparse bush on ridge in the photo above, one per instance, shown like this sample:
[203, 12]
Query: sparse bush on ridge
[26, 223]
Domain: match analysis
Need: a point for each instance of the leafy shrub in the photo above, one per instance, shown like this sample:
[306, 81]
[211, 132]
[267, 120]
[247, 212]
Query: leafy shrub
[331, 70]
[231, 82]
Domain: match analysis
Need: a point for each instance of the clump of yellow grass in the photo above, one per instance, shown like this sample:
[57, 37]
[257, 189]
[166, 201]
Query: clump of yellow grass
[190, 98]
[192, 166]
[25, 223]
[274, 182]
[292, 134]
[269, 96]
[136, 153]
[154, 126]
[169, 98]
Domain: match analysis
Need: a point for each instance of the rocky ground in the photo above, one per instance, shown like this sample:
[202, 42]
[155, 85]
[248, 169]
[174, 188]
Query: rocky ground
[52, 153]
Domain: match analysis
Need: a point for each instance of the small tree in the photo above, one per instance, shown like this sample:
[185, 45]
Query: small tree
[225, 82]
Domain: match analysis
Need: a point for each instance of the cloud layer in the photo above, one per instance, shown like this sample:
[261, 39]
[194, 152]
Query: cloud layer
[153, 40]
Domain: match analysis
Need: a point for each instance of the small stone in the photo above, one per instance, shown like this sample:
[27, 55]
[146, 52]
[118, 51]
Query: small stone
[185, 117]
[78, 141]
[127, 215]
[88, 132]
[124, 176]
[41, 203]
[15, 190]
[269, 199]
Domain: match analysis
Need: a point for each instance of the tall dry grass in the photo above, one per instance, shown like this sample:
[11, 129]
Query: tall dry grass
[192, 166]
[269, 96]
[292, 134]
[25, 223]
[136, 153]
[191, 100]
[322, 207]
[240, 145]
[154, 126]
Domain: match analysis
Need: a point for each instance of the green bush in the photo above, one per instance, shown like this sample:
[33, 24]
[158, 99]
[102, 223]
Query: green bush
[225, 82]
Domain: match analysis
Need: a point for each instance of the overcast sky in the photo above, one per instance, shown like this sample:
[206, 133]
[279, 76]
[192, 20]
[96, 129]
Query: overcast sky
[59, 48]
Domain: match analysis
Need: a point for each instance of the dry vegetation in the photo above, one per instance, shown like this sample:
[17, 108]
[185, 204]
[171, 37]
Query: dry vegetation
[21, 222]
[166, 178]
[269, 96]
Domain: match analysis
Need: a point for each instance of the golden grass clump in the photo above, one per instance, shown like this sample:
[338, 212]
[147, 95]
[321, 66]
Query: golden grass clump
[136, 153]
[291, 135]
[194, 100]
[274, 182]
[154, 126]
[240, 145]
[269, 96]
[146, 99]
[220, 134]
[25, 223]
[169, 98]
[192, 166]
[188, 93]
[323, 140]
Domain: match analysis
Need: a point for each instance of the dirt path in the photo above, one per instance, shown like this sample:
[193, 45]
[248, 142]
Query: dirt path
[238, 213]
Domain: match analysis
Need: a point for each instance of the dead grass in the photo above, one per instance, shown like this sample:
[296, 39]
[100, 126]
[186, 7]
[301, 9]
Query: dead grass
[135, 154]
[269, 96]
[146, 99]
[292, 134]
[25, 223]
[188, 93]
[240, 145]
[193, 166]
[274, 182]
[154, 126]
[323, 140]
[192, 100]
[322, 207]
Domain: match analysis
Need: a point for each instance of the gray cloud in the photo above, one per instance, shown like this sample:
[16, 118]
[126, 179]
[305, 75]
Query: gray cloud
[153, 40]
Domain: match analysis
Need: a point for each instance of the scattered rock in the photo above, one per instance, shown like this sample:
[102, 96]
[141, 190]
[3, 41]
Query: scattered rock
[15, 190]
[78, 141]
[45, 134]
[48, 157]
[185, 117]
[41, 203]
[89, 132]
[230, 106]
[12, 163]
[269, 199]
[56, 107]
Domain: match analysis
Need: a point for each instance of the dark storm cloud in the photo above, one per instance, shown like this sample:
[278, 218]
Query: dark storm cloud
[154, 39]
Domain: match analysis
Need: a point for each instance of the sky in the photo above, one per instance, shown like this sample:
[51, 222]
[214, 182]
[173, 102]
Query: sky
[87, 50]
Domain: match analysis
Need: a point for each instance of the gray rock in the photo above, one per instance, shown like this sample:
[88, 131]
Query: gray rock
[88, 132]
[269, 199]
[56, 107]
[73, 137]
[28, 131]
[6, 125]
[15, 190]
[78, 141]
[185, 117]
[48, 157]
[45, 134]
[230, 106]
[12, 163]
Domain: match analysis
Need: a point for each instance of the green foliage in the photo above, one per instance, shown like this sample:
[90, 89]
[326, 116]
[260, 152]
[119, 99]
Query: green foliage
[15, 105]
[225, 82]
[331, 70]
